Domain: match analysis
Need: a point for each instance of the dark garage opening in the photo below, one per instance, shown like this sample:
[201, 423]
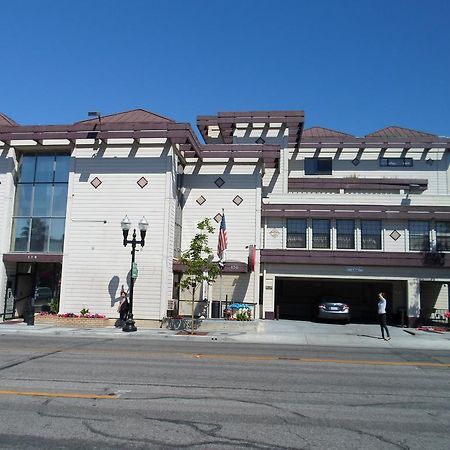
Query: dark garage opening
[297, 299]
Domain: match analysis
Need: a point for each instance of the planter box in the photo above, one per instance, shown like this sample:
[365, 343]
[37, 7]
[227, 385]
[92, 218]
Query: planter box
[71, 322]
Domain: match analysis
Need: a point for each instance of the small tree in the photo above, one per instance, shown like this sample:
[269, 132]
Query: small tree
[198, 262]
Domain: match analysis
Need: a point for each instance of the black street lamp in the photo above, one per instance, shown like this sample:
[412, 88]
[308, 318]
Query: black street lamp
[126, 225]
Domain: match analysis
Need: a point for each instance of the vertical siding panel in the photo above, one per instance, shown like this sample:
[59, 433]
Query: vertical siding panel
[95, 262]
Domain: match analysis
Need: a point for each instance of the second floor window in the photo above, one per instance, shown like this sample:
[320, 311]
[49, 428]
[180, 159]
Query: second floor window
[318, 166]
[396, 162]
[345, 233]
[40, 204]
[296, 233]
[419, 235]
[443, 236]
[320, 233]
[371, 234]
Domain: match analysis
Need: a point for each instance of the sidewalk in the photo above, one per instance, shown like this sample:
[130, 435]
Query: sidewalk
[283, 332]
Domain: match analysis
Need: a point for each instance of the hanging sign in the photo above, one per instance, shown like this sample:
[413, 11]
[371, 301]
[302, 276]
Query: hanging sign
[134, 271]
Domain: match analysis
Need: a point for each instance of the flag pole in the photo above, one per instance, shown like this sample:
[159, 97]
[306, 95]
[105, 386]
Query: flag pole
[220, 277]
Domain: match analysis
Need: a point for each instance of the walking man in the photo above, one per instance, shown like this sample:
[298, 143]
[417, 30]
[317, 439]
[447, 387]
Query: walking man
[382, 315]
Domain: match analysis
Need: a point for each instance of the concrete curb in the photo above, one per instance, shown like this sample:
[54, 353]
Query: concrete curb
[270, 333]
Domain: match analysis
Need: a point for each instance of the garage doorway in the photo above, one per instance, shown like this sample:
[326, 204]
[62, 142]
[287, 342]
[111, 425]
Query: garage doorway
[297, 298]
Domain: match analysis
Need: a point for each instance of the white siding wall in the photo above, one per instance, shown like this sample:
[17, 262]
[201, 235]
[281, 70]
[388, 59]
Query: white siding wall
[95, 262]
[433, 296]
[243, 221]
[435, 170]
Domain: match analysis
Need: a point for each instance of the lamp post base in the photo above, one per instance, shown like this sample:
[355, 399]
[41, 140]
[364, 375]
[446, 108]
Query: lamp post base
[129, 326]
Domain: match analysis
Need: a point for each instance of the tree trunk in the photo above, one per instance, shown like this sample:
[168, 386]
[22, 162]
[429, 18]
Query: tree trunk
[192, 312]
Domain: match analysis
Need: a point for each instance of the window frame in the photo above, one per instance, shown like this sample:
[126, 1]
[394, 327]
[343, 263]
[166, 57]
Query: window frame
[320, 234]
[400, 161]
[304, 234]
[352, 234]
[311, 166]
[446, 235]
[371, 235]
[40, 235]
[417, 236]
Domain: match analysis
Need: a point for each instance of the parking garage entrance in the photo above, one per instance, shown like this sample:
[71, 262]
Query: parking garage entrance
[297, 298]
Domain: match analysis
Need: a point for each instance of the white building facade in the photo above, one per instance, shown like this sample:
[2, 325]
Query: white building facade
[310, 213]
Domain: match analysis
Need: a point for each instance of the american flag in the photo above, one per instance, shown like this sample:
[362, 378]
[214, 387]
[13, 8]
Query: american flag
[223, 238]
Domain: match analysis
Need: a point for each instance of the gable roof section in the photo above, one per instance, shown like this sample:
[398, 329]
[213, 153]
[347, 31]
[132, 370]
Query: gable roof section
[399, 132]
[135, 115]
[5, 120]
[319, 132]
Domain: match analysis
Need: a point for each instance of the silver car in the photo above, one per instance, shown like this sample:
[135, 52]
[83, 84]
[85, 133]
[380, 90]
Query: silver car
[333, 309]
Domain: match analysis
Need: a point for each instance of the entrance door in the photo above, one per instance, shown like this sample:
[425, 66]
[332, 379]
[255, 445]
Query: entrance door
[24, 292]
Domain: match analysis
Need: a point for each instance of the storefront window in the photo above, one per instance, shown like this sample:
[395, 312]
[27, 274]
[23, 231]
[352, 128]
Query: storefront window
[40, 203]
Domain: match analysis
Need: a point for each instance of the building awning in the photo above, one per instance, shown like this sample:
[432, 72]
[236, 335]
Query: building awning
[33, 257]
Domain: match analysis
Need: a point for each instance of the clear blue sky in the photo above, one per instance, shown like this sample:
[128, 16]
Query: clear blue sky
[354, 66]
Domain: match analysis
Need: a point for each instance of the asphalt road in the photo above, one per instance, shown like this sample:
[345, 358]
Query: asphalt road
[79, 393]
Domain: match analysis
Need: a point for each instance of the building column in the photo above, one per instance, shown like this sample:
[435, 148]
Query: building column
[269, 296]
[413, 301]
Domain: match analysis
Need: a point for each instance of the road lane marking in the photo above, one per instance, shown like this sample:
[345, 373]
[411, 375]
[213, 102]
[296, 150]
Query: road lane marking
[59, 394]
[323, 360]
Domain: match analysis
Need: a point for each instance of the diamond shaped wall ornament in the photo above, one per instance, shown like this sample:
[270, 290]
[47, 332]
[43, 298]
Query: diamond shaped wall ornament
[218, 217]
[201, 200]
[96, 182]
[274, 233]
[429, 161]
[219, 182]
[142, 182]
[395, 235]
[260, 140]
[355, 162]
[237, 200]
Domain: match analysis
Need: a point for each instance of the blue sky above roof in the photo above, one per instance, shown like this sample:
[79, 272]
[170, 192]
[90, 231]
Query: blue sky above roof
[353, 66]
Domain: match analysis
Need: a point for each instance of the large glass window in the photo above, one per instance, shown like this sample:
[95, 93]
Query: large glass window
[320, 233]
[345, 233]
[296, 233]
[419, 235]
[443, 236]
[40, 204]
[371, 234]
